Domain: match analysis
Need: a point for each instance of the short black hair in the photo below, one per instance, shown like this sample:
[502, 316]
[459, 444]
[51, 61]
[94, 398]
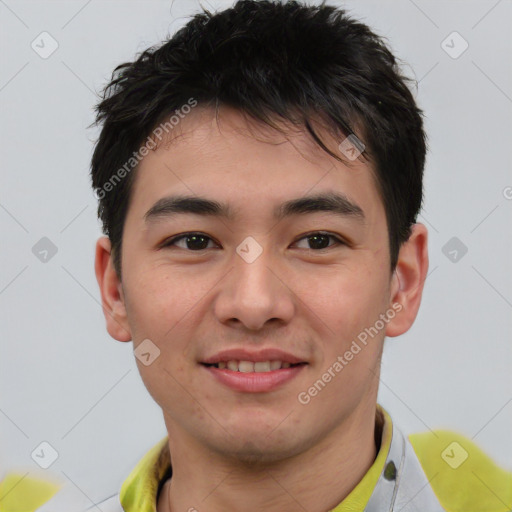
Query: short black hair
[273, 61]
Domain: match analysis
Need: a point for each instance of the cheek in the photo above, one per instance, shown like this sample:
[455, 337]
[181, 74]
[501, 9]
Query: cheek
[168, 387]
[158, 300]
[346, 301]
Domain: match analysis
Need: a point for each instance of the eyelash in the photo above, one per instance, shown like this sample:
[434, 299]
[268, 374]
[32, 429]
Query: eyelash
[169, 242]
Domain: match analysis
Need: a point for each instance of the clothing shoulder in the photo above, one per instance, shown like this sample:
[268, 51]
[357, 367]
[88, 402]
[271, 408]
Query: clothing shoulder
[48, 493]
[461, 474]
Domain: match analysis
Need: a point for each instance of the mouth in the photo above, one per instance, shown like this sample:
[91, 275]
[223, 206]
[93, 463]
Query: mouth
[245, 376]
[234, 365]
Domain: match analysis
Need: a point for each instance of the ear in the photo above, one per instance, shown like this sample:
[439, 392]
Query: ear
[112, 298]
[408, 280]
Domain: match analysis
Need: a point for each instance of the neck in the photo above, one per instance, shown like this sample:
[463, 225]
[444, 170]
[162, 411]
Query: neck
[316, 480]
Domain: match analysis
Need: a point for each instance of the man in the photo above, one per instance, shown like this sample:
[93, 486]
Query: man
[259, 177]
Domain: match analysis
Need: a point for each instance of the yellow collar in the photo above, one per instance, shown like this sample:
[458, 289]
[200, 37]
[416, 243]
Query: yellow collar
[360, 495]
[139, 491]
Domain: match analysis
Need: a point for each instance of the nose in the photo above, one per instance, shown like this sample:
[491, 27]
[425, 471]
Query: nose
[255, 292]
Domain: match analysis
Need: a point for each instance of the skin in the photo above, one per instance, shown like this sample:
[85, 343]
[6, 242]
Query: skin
[263, 451]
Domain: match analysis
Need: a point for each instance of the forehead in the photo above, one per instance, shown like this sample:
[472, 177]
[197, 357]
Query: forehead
[246, 164]
[207, 129]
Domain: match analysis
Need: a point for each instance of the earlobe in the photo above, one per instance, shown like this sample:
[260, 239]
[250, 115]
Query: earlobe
[112, 297]
[408, 280]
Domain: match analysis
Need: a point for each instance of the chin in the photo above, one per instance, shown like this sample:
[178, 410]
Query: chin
[255, 444]
[259, 452]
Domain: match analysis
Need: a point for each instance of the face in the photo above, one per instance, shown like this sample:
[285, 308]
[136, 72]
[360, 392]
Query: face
[254, 287]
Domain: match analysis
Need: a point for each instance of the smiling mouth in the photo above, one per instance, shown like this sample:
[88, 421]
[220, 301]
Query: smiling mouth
[251, 366]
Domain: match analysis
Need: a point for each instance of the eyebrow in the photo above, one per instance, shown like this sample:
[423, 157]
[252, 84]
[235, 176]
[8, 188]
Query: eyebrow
[337, 204]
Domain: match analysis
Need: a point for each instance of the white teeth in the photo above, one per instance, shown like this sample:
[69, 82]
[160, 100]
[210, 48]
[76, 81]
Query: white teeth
[263, 366]
[233, 365]
[246, 366]
[250, 366]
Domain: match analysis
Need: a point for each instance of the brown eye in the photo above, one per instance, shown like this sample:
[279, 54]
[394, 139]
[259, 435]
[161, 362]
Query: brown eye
[320, 240]
[192, 241]
[195, 242]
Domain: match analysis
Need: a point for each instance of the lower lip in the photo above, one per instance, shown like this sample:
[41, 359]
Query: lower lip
[254, 382]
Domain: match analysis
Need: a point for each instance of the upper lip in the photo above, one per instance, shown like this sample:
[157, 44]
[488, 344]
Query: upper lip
[242, 354]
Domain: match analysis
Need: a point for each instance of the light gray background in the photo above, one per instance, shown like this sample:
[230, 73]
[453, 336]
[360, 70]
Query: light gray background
[65, 381]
